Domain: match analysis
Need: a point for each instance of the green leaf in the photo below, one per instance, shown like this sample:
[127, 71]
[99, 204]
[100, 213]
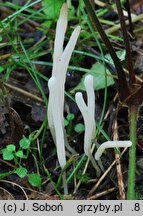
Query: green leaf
[11, 147]
[34, 179]
[21, 172]
[46, 24]
[70, 117]
[1, 69]
[79, 128]
[98, 72]
[121, 55]
[52, 8]
[24, 143]
[3, 175]
[25, 156]
[84, 178]
[19, 154]
[66, 122]
[7, 155]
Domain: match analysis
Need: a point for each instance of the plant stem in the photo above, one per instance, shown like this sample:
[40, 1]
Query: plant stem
[129, 16]
[120, 71]
[127, 44]
[65, 184]
[133, 110]
[115, 28]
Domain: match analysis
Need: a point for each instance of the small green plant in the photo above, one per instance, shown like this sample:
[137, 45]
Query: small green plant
[69, 119]
[68, 122]
[10, 153]
[84, 178]
[79, 128]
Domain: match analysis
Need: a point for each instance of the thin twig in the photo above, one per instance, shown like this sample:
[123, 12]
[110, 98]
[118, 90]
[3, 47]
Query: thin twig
[132, 79]
[5, 56]
[7, 163]
[17, 185]
[103, 193]
[103, 176]
[118, 165]
[115, 28]
[25, 93]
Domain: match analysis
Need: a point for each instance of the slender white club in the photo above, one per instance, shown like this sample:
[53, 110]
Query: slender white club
[88, 112]
[111, 144]
[61, 58]
[57, 120]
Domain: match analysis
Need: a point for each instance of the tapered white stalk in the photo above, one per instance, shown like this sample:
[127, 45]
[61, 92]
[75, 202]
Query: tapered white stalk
[111, 144]
[58, 50]
[65, 59]
[87, 112]
[89, 119]
[88, 82]
[57, 120]
[57, 86]
[59, 38]
[66, 56]
[61, 60]
[88, 127]
[58, 126]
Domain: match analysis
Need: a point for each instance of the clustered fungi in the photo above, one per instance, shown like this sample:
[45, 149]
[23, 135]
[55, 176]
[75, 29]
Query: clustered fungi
[88, 112]
[56, 86]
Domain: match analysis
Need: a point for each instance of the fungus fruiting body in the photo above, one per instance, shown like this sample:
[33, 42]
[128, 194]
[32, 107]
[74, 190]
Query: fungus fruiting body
[57, 120]
[111, 144]
[61, 58]
[88, 112]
